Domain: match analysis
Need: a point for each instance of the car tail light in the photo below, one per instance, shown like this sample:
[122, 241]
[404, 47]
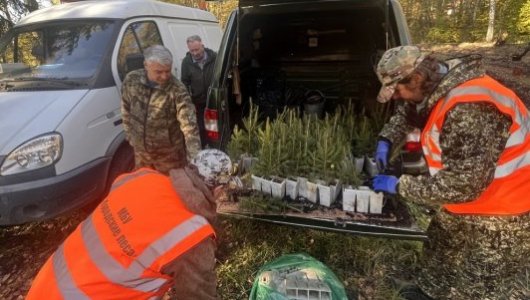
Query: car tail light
[413, 143]
[210, 123]
[412, 147]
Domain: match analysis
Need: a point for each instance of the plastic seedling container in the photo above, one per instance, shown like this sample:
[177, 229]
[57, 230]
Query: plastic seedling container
[348, 198]
[291, 188]
[328, 193]
[312, 191]
[256, 183]
[302, 187]
[359, 164]
[266, 186]
[277, 187]
[362, 202]
[336, 188]
[370, 166]
[247, 162]
[376, 203]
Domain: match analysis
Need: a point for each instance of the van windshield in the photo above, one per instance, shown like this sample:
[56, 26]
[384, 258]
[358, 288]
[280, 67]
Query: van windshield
[66, 51]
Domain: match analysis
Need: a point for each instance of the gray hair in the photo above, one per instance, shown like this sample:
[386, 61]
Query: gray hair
[193, 38]
[158, 54]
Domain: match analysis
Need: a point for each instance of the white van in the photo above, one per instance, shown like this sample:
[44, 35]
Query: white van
[61, 69]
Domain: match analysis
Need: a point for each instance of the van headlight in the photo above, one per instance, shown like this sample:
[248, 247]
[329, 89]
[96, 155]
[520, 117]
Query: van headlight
[39, 152]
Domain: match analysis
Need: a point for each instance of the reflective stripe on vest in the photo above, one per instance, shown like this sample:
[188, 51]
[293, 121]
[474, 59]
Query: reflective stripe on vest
[508, 193]
[519, 132]
[513, 165]
[433, 159]
[137, 275]
[65, 282]
[128, 277]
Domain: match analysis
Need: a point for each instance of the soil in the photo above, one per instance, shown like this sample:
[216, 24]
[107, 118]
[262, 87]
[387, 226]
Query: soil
[498, 62]
[24, 248]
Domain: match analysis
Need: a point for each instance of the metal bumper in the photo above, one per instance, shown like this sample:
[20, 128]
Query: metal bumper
[48, 197]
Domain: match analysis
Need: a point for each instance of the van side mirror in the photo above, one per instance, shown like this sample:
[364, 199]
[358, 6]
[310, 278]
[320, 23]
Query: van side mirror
[133, 62]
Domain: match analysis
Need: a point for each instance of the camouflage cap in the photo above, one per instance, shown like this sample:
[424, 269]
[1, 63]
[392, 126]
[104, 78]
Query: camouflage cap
[395, 65]
[214, 166]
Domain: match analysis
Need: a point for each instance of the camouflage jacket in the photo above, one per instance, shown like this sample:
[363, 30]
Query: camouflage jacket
[159, 121]
[193, 272]
[470, 161]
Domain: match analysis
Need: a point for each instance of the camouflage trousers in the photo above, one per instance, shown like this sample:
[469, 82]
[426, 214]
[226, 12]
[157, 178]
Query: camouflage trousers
[473, 257]
[162, 162]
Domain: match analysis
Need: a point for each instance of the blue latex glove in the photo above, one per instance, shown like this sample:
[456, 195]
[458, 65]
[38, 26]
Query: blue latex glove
[385, 183]
[381, 154]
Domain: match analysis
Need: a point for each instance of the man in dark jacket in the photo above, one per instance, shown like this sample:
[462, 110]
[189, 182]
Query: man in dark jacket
[196, 74]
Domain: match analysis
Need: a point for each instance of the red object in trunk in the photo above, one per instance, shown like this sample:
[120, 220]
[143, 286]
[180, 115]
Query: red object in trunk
[412, 147]
[210, 123]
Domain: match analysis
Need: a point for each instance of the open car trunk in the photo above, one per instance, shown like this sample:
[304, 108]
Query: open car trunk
[274, 51]
[285, 51]
[282, 57]
[277, 54]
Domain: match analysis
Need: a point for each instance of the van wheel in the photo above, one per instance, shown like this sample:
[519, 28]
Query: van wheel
[122, 162]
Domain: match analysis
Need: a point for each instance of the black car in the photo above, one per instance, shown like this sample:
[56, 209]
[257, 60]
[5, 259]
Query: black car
[293, 54]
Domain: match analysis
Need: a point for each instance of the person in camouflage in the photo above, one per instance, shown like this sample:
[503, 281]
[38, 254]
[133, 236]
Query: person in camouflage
[158, 116]
[473, 254]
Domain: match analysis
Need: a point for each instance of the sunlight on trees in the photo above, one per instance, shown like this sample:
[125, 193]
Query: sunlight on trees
[440, 21]
[523, 24]
[222, 10]
[434, 21]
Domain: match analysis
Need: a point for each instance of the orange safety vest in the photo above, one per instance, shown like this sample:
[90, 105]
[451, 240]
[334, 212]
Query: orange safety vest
[508, 193]
[118, 251]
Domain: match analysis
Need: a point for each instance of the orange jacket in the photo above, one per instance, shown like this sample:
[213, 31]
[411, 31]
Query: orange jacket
[508, 192]
[119, 250]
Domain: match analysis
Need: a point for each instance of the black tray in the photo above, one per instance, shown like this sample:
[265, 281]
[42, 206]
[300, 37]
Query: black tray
[395, 222]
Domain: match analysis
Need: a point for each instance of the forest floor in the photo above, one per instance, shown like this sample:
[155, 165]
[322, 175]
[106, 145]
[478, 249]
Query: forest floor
[24, 248]
[498, 63]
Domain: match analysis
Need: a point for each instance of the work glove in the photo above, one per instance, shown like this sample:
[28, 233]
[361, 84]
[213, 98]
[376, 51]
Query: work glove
[385, 183]
[381, 154]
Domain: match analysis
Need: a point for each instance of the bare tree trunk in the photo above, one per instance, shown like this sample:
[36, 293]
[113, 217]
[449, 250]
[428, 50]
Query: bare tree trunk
[491, 22]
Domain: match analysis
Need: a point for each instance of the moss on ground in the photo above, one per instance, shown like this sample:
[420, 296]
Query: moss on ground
[364, 264]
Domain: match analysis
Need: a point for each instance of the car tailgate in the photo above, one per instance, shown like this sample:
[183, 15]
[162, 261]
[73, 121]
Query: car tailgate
[399, 224]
